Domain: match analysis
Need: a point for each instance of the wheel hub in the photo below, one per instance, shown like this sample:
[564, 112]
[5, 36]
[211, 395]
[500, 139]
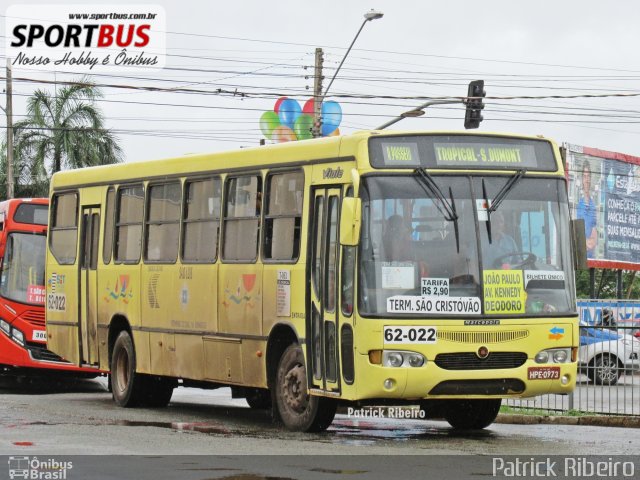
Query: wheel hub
[295, 390]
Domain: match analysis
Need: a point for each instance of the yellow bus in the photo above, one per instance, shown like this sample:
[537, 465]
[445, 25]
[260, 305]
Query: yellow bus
[379, 268]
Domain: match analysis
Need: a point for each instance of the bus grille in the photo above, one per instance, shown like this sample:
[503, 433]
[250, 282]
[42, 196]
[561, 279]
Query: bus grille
[39, 352]
[483, 337]
[500, 386]
[470, 361]
[34, 317]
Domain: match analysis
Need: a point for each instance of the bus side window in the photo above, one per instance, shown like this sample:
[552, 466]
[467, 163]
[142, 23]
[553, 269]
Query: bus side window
[243, 202]
[283, 216]
[201, 217]
[64, 228]
[130, 206]
[163, 222]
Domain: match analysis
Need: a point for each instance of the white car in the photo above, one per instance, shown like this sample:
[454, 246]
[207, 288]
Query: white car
[604, 355]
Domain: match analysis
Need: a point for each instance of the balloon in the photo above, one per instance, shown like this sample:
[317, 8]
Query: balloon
[289, 111]
[283, 134]
[335, 133]
[302, 127]
[331, 117]
[276, 107]
[268, 121]
[309, 106]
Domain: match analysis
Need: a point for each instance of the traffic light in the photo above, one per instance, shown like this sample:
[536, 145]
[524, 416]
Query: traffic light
[473, 115]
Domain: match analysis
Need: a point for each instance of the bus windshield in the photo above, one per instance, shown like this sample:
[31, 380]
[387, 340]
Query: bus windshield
[453, 251]
[22, 278]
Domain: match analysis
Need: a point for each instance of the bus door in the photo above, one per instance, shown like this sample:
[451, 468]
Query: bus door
[322, 343]
[90, 233]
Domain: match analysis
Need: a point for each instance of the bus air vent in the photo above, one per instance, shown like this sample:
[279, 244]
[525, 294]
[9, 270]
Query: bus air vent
[38, 352]
[500, 386]
[34, 317]
[482, 337]
[470, 361]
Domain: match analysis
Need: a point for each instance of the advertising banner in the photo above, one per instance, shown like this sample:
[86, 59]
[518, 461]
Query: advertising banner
[604, 191]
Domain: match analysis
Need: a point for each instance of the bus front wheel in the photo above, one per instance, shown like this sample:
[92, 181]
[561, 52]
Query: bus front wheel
[298, 410]
[126, 384]
[471, 414]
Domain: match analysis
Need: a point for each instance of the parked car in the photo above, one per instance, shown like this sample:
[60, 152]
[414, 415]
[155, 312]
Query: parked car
[635, 330]
[604, 355]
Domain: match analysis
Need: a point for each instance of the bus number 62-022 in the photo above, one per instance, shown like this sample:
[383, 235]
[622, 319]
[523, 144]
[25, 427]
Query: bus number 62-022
[56, 302]
[395, 335]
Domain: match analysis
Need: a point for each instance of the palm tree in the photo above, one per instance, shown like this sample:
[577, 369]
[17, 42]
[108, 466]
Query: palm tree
[65, 130]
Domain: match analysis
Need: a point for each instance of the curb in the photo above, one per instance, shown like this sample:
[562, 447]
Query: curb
[590, 420]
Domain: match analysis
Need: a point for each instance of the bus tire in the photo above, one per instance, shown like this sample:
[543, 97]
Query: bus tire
[299, 411]
[127, 385]
[471, 414]
[158, 391]
[258, 398]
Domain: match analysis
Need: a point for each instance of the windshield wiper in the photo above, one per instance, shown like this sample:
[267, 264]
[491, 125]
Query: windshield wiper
[486, 202]
[446, 208]
[455, 222]
[495, 203]
[427, 182]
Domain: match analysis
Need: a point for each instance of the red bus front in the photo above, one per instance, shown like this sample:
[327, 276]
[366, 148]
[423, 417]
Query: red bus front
[23, 335]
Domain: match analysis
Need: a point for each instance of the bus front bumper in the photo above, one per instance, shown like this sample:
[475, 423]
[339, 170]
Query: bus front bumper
[430, 381]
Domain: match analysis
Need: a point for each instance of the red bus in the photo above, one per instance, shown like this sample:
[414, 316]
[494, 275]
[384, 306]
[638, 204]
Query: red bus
[23, 335]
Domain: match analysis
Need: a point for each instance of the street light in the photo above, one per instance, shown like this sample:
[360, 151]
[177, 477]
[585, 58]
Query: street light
[369, 16]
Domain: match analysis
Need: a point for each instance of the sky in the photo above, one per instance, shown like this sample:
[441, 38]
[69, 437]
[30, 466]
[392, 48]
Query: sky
[418, 50]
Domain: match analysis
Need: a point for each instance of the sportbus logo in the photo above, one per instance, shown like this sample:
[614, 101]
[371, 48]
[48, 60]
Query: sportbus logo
[38, 469]
[86, 38]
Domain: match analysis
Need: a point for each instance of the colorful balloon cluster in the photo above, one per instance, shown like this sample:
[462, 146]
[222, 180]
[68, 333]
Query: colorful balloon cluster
[288, 122]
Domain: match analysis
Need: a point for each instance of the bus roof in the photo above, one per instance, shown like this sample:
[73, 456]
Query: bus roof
[252, 158]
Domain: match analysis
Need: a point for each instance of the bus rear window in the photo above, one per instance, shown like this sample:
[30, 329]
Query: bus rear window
[31, 213]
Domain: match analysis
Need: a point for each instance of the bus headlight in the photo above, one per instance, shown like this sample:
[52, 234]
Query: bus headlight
[17, 336]
[402, 359]
[392, 359]
[553, 355]
[5, 327]
[542, 357]
[560, 356]
[416, 360]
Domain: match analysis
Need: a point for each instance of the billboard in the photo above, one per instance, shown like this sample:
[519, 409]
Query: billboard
[604, 191]
[619, 313]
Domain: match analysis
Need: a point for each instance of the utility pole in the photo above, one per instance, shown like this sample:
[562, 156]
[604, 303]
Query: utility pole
[317, 95]
[9, 132]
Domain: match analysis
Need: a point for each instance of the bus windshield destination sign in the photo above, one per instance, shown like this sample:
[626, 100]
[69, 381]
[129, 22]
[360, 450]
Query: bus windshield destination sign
[461, 152]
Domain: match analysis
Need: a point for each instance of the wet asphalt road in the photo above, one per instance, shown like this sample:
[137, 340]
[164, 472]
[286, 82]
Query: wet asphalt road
[82, 419]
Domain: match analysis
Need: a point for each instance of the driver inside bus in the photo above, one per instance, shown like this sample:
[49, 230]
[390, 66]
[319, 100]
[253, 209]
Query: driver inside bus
[396, 240]
[496, 253]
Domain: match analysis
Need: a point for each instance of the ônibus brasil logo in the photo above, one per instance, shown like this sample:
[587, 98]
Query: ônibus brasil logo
[38, 469]
[86, 38]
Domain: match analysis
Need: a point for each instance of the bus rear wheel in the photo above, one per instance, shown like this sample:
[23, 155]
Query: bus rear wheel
[471, 414]
[298, 410]
[127, 386]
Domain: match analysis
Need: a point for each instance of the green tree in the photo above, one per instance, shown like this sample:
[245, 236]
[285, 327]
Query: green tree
[605, 284]
[61, 131]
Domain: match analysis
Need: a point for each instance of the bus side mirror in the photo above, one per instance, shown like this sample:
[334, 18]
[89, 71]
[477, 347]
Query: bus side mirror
[579, 242]
[350, 221]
